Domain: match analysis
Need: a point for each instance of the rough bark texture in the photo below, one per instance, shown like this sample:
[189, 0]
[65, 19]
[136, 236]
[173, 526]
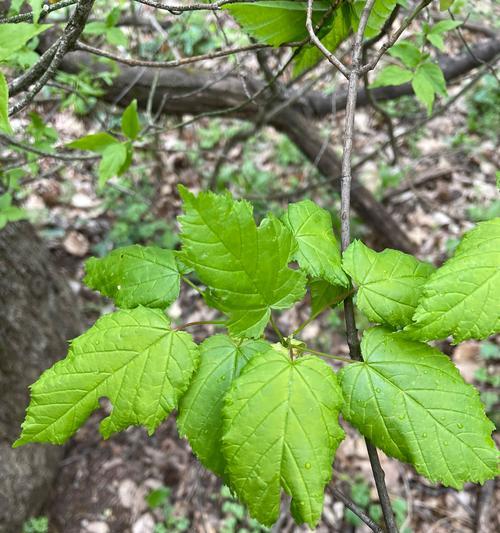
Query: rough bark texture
[38, 313]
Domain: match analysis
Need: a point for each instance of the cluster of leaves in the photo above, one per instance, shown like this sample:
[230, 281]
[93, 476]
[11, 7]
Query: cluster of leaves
[265, 416]
[279, 22]
[284, 21]
[108, 28]
[39, 524]
[425, 74]
[116, 155]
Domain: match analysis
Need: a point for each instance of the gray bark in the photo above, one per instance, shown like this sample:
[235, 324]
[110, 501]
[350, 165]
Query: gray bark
[38, 313]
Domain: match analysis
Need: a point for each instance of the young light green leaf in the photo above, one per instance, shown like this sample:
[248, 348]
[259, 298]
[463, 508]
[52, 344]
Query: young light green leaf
[116, 37]
[324, 295]
[133, 358]
[428, 81]
[317, 250]
[389, 283]
[113, 17]
[392, 75]
[36, 7]
[97, 27]
[462, 298]
[445, 4]
[14, 36]
[379, 14]
[411, 402]
[281, 429]
[130, 121]
[9, 212]
[113, 159]
[200, 410]
[445, 25]
[4, 105]
[135, 275]
[245, 266]
[409, 54]
[275, 22]
[435, 34]
[95, 142]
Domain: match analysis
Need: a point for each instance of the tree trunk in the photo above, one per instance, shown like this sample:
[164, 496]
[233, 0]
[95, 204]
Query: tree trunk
[38, 313]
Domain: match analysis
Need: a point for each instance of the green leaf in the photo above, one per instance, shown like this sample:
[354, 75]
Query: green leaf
[435, 35]
[411, 402]
[130, 121]
[135, 275]
[409, 54]
[133, 358]
[317, 252]
[245, 266]
[4, 105]
[428, 81]
[332, 34]
[275, 22]
[462, 298]
[392, 75]
[97, 27]
[9, 212]
[14, 36]
[324, 295]
[116, 37]
[379, 14]
[95, 142]
[445, 4]
[445, 25]
[36, 7]
[200, 410]
[113, 17]
[436, 40]
[389, 283]
[113, 159]
[281, 429]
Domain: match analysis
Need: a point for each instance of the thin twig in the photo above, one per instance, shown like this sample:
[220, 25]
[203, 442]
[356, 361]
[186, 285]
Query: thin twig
[200, 323]
[46, 9]
[178, 9]
[357, 510]
[395, 36]
[277, 330]
[345, 194]
[306, 349]
[6, 140]
[469, 49]
[132, 62]
[319, 45]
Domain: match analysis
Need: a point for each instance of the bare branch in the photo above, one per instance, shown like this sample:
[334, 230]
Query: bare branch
[178, 9]
[345, 196]
[176, 62]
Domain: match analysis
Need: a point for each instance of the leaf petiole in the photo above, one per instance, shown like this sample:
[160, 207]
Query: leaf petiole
[323, 354]
[192, 285]
[200, 323]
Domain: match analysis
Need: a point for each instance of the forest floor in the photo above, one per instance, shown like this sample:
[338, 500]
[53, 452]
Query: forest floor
[443, 183]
